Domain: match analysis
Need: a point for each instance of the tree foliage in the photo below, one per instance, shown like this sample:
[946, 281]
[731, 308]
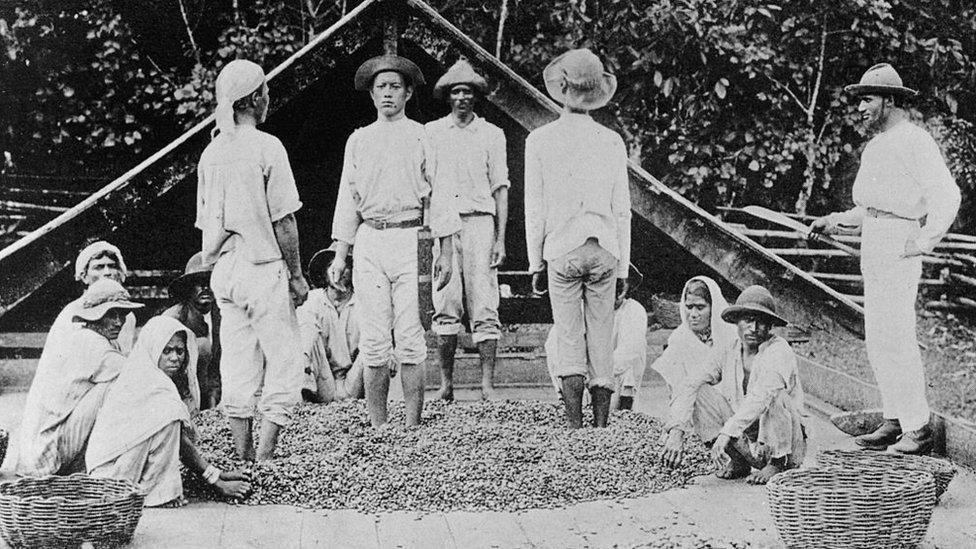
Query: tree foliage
[728, 101]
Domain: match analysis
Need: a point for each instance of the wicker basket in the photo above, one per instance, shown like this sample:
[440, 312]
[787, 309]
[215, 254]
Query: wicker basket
[4, 440]
[831, 507]
[67, 511]
[942, 470]
[666, 313]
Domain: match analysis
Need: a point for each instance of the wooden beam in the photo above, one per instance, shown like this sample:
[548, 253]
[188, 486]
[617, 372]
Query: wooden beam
[859, 279]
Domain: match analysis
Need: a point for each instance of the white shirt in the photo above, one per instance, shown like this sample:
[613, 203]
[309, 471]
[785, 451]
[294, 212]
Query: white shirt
[576, 187]
[386, 173]
[244, 185]
[471, 162]
[902, 172]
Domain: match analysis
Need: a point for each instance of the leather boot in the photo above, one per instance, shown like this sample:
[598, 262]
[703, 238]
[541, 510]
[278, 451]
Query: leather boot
[600, 398]
[885, 435]
[572, 387]
[917, 443]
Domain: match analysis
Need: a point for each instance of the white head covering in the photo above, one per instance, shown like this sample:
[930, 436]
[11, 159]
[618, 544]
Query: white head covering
[236, 80]
[686, 353]
[144, 399]
[85, 256]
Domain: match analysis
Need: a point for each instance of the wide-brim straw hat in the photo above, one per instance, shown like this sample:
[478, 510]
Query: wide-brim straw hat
[460, 73]
[754, 299]
[194, 273]
[101, 297]
[881, 79]
[577, 79]
[382, 63]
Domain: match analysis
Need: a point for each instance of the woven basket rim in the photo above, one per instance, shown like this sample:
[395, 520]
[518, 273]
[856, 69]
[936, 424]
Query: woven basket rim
[131, 489]
[905, 479]
[941, 464]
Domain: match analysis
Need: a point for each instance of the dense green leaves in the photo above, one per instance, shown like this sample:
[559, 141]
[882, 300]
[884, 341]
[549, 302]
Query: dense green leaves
[729, 102]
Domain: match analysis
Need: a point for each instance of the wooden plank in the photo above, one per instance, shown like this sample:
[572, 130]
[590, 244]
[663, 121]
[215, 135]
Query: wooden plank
[859, 279]
[736, 258]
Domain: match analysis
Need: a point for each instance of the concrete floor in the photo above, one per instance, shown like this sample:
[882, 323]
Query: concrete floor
[724, 511]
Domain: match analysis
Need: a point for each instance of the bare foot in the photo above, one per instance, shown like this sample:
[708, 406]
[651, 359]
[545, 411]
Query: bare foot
[171, 504]
[735, 468]
[488, 393]
[763, 475]
[445, 393]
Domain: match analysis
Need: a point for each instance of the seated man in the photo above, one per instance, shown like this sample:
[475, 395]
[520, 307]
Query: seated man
[194, 308]
[56, 424]
[765, 407]
[629, 346]
[329, 326]
[702, 331]
[144, 430]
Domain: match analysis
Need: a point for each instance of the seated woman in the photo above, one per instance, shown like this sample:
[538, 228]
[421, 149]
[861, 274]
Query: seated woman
[66, 397]
[702, 330]
[143, 431]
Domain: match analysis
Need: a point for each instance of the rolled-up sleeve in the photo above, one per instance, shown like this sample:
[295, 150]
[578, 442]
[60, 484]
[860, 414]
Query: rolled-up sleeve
[939, 189]
[497, 161]
[346, 219]
[280, 183]
[853, 217]
[535, 213]
[621, 206]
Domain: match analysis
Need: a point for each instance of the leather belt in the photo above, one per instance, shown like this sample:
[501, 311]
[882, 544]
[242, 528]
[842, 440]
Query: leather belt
[383, 225]
[882, 214]
[475, 214]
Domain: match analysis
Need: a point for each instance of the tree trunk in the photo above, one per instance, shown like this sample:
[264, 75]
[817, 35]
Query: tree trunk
[502, 16]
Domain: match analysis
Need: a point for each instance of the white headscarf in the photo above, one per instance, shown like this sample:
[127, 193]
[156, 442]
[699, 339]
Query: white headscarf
[85, 256]
[144, 399]
[686, 353]
[236, 80]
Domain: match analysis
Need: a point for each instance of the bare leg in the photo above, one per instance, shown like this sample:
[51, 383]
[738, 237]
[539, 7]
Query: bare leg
[325, 385]
[377, 383]
[240, 430]
[412, 379]
[487, 350]
[446, 351]
[267, 439]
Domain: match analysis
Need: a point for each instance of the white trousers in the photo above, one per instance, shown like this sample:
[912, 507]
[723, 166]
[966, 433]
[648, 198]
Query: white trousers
[473, 283]
[890, 290]
[259, 338]
[384, 273]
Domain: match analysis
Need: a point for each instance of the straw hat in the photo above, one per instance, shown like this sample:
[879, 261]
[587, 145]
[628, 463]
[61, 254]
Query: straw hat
[881, 79]
[577, 79]
[382, 63]
[460, 73]
[194, 273]
[754, 299]
[102, 296]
